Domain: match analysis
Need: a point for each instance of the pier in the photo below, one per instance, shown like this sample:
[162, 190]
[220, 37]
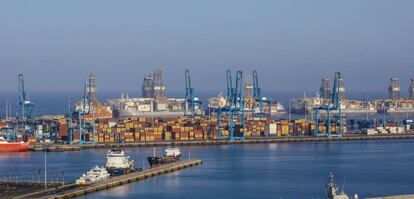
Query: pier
[411, 196]
[72, 190]
[14, 188]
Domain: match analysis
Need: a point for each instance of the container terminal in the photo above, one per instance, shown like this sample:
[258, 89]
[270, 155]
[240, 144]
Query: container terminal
[243, 112]
[242, 115]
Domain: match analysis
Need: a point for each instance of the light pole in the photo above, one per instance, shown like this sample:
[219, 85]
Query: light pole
[290, 112]
[45, 168]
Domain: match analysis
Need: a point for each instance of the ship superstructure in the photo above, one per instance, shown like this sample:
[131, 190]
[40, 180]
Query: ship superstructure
[332, 191]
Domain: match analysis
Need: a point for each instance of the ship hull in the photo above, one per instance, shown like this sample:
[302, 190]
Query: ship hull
[158, 161]
[14, 147]
[343, 111]
[118, 171]
[396, 112]
[133, 113]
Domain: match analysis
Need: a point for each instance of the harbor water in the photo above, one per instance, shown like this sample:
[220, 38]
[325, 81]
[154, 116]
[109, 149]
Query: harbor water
[278, 170]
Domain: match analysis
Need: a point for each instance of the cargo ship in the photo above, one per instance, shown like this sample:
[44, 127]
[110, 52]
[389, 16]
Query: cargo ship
[305, 105]
[117, 163]
[171, 154]
[126, 107]
[396, 106]
[13, 146]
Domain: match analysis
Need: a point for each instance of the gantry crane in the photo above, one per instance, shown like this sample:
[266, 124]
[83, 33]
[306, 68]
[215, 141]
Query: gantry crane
[24, 107]
[259, 99]
[192, 103]
[84, 114]
[333, 104]
[234, 108]
[24, 110]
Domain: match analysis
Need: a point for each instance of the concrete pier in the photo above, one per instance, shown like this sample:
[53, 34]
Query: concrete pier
[13, 188]
[72, 191]
[395, 197]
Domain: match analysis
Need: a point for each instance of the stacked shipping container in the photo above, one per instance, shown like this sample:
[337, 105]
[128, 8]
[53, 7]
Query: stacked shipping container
[143, 129]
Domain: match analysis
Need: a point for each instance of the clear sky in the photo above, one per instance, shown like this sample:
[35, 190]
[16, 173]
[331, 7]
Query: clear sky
[291, 43]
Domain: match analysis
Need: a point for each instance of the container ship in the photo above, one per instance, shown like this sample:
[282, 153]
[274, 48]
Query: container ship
[13, 146]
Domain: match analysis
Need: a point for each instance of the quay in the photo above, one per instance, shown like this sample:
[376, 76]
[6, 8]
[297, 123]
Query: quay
[72, 191]
[257, 140]
[13, 188]
[411, 196]
[50, 147]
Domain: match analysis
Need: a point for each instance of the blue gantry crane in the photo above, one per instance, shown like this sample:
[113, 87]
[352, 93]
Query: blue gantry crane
[84, 114]
[259, 100]
[192, 103]
[24, 107]
[234, 108]
[333, 104]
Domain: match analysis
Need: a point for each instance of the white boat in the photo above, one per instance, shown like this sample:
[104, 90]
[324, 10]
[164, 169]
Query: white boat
[117, 163]
[96, 174]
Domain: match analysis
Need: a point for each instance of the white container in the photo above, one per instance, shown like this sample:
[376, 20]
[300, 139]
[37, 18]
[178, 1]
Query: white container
[272, 129]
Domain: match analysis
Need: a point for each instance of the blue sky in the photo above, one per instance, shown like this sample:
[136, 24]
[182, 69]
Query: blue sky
[292, 44]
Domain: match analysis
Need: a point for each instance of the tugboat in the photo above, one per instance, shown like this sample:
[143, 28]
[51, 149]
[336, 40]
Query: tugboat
[171, 155]
[117, 163]
[96, 174]
[332, 190]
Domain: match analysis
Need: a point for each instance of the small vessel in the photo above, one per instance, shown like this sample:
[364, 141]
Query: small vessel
[117, 163]
[171, 154]
[13, 146]
[332, 191]
[96, 174]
